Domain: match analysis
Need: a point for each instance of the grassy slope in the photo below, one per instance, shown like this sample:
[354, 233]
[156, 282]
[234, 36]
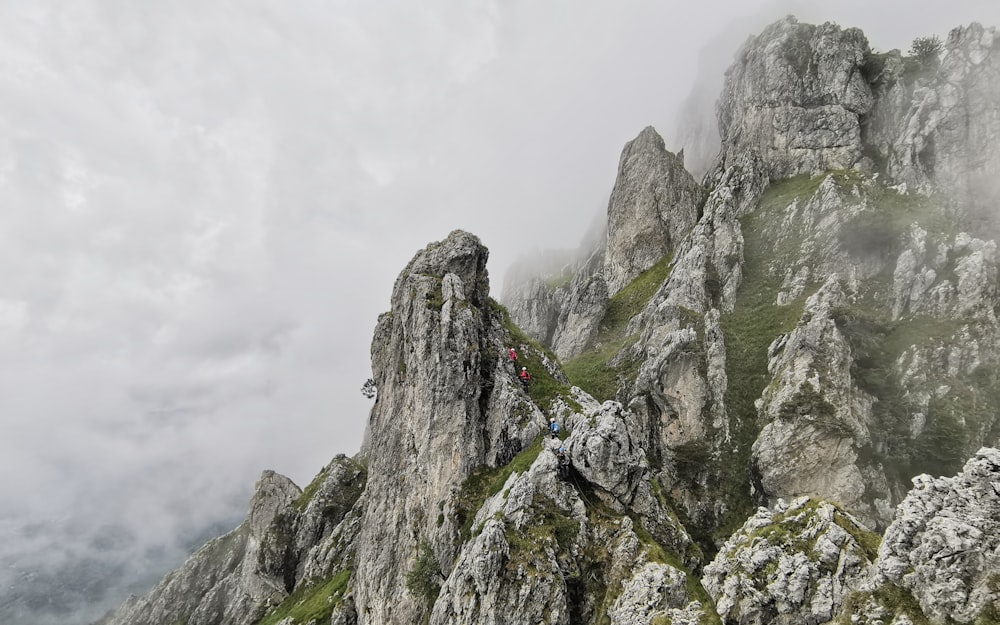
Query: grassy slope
[754, 323]
[311, 602]
[591, 370]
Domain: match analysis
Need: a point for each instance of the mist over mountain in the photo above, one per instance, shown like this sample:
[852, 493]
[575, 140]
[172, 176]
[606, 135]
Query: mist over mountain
[776, 385]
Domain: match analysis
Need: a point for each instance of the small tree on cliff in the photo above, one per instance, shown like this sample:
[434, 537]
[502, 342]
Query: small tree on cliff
[369, 389]
[926, 49]
[424, 579]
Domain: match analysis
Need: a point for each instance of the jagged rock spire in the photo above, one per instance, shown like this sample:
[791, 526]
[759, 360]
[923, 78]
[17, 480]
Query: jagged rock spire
[425, 430]
[654, 203]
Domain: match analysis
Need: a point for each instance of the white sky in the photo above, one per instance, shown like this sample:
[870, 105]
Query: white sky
[203, 207]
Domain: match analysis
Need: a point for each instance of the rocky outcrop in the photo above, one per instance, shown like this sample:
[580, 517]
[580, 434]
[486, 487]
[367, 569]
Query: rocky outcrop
[657, 593]
[536, 288]
[582, 311]
[816, 419]
[795, 564]
[942, 278]
[940, 558]
[434, 359]
[944, 544]
[537, 305]
[542, 553]
[678, 395]
[796, 96]
[654, 203]
[607, 451]
[513, 570]
[290, 539]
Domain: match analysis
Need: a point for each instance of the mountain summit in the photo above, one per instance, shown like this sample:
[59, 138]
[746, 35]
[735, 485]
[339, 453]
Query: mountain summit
[776, 388]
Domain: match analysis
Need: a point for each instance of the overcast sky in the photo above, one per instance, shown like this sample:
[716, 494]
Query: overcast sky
[203, 207]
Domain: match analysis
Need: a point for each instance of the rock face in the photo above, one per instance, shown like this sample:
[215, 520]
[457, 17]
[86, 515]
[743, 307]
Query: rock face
[934, 119]
[944, 544]
[427, 360]
[582, 310]
[813, 411]
[434, 362]
[800, 327]
[796, 96]
[795, 564]
[654, 204]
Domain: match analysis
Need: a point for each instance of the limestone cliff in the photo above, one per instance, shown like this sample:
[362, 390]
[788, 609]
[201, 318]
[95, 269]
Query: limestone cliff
[445, 406]
[796, 96]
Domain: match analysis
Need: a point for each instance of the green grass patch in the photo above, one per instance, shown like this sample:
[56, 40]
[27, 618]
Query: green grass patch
[424, 579]
[434, 299]
[548, 527]
[749, 330]
[630, 301]
[592, 370]
[302, 501]
[868, 541]
[901, 601]
[314, 602]
[486, 481]
[786, 528]
[781, 193]
[886, 604]
[560, 281]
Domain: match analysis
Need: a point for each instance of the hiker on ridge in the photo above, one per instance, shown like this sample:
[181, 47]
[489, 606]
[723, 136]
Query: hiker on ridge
[563, 456]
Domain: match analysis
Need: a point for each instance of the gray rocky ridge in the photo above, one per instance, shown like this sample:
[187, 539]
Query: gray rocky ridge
[794, 563]
[761, 379]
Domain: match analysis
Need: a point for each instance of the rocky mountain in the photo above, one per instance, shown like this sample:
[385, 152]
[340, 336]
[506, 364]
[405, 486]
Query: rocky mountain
[777, 387]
